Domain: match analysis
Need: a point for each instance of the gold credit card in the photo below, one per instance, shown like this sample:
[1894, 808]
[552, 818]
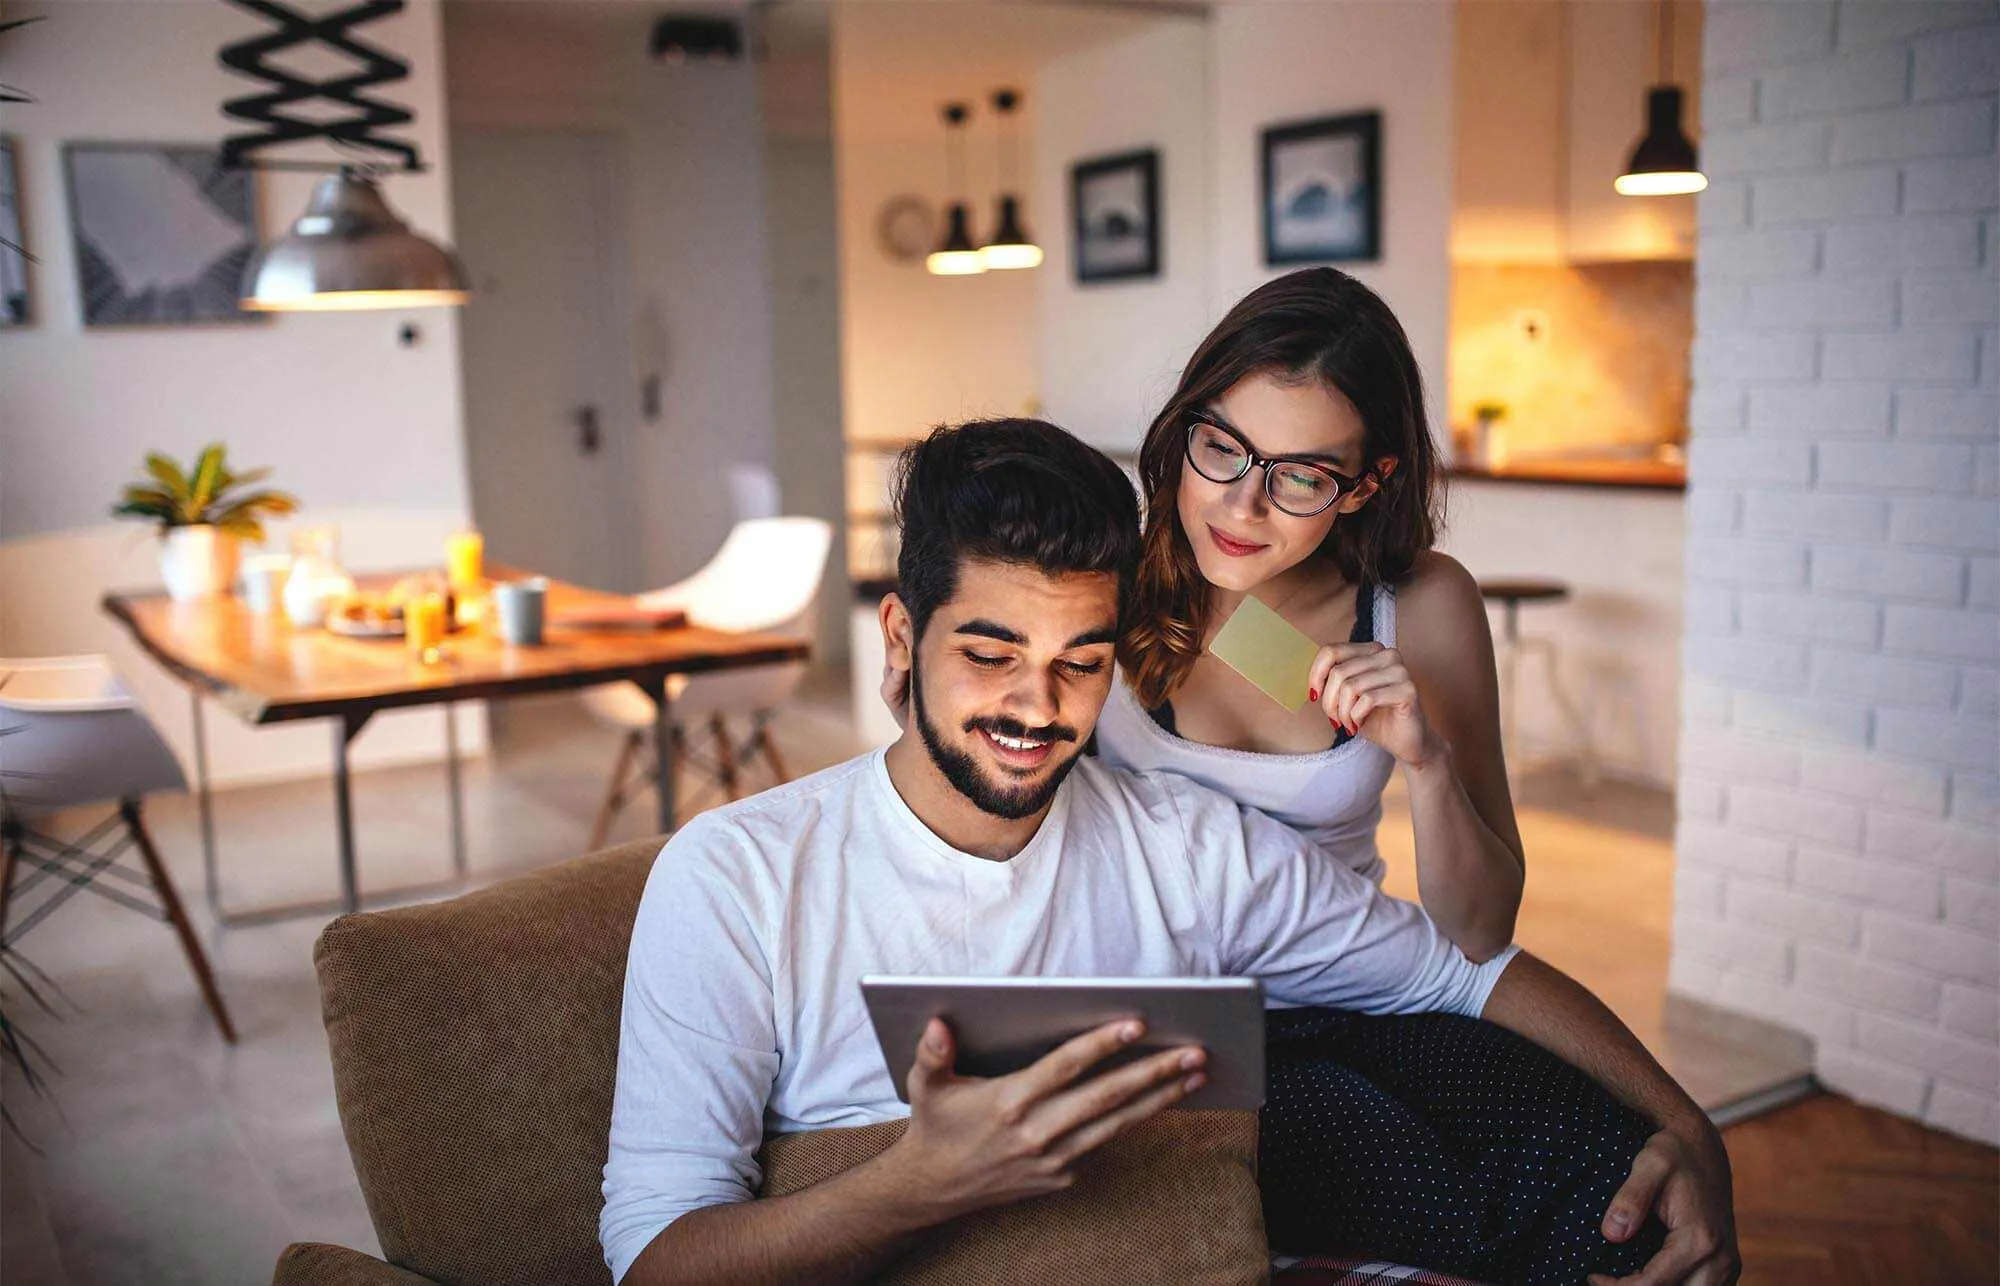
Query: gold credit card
[1268, 650]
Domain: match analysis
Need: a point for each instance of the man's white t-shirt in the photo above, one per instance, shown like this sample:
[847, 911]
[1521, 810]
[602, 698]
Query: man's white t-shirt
[743, 1013]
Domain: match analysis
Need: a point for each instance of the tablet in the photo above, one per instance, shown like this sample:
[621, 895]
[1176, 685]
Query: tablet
[1004, 1024]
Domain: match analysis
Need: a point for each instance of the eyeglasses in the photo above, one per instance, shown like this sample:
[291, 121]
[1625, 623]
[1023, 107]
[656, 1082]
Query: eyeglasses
[1296, 487]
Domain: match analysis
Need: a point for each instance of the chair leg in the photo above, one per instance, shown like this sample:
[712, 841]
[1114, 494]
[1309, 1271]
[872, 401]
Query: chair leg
[725, 757]
[614, 798]
[10, 857]
[770, 749]
[171, 901]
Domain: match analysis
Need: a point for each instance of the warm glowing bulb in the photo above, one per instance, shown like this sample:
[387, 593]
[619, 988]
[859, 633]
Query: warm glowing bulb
[955, 263]
[1024, 254]
[1660, 183]
[345, 301]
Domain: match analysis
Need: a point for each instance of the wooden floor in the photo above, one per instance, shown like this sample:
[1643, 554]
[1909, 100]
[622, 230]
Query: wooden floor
[1830, 1193]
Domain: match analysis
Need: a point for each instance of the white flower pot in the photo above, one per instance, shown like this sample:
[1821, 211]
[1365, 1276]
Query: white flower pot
[198, 561]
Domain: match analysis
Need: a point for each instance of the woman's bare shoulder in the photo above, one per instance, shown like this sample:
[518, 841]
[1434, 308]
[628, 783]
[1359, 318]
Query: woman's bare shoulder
[1439, 587]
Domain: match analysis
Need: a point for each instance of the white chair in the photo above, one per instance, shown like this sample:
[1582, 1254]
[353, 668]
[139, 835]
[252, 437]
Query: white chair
[72, 736]
[766, 576]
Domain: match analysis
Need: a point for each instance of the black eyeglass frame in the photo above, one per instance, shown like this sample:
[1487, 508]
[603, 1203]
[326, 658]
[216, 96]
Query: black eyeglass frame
[1343, 485]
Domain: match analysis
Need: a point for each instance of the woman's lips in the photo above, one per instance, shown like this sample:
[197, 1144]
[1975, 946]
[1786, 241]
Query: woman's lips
[1234, 548]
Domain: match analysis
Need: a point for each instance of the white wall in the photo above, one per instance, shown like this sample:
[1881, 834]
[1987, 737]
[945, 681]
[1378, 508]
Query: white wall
[698, 295]
[1275, 62]
[1110, 352]
[366, 432]
[1838, 860]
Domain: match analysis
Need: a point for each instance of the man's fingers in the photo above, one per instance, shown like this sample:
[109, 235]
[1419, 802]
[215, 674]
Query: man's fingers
[1095, 1134]
[1678, 1256]
[1078, 1055]
[934, 1058]
[1111, 1091]
[1635, 1199]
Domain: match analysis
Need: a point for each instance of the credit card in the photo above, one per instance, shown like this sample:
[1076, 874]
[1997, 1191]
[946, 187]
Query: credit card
[1268, 650]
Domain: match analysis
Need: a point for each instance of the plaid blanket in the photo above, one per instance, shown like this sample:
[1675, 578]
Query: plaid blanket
[1333, 1270]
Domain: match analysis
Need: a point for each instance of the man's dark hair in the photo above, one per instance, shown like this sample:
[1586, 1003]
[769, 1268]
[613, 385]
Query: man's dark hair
[1013, 491]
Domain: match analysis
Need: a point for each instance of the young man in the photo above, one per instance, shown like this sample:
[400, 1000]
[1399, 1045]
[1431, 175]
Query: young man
[980, 843]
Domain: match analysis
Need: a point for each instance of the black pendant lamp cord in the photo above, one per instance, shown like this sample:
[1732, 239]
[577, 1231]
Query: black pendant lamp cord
[1004, 102]
[1666, 38]
[355, 131]
[954, 148]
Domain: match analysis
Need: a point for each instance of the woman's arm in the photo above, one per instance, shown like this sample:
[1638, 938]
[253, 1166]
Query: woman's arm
[1433, 702]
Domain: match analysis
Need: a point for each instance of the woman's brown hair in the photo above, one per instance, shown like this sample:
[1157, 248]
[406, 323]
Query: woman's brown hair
[1317, 324]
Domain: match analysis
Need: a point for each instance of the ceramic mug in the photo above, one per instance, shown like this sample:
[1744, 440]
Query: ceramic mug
[518, 609]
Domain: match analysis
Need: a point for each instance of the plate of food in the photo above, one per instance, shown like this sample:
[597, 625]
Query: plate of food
[366, 616]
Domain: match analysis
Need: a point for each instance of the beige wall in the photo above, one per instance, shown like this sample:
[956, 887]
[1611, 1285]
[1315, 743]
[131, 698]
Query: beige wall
[366, 431]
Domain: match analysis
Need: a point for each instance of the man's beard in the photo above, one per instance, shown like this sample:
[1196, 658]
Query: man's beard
[963, 771]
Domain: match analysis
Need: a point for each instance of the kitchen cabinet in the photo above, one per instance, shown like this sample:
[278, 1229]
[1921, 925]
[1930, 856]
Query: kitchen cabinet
[1550, 101]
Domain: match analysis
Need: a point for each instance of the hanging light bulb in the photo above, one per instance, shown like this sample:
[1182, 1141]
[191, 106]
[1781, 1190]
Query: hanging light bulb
[1664, 163]
[1011, 246]
[348, 252]
[955, 256]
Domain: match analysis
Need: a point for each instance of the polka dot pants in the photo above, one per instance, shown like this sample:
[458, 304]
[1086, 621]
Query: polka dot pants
[1443, 1142]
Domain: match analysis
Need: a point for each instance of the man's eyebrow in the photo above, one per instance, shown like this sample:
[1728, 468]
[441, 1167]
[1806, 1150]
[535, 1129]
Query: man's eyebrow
[1329, 457]
[990, 630]
[1109, 634]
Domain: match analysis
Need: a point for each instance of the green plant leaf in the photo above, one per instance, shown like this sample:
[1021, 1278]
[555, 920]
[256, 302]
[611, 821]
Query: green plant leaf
[139, 492]
[168, 473]
[244, 526]
[258, 504]
[208, 469]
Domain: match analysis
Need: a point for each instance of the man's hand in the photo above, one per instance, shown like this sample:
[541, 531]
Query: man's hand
[1683, 1173]
[974, 1142]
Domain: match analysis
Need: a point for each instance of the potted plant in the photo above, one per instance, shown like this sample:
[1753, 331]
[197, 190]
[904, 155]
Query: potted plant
[203, 514]
[1487, 449]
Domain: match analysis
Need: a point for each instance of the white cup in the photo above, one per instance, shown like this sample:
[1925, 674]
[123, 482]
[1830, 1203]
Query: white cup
[262, 582]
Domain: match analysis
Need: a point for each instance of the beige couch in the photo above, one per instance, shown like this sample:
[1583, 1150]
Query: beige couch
[474, 1047]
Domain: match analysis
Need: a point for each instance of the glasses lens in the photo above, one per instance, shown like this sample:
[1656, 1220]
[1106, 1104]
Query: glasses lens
[1300, 489]
[1214, 454]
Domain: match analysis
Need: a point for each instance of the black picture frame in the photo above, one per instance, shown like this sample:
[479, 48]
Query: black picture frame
[1114, 217]
[1322, 190]
[17, 309]
[162, 233]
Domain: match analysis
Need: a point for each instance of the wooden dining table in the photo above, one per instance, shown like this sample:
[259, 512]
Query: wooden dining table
[264, 670]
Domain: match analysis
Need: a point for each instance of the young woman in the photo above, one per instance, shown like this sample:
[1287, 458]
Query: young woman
[1294, 463]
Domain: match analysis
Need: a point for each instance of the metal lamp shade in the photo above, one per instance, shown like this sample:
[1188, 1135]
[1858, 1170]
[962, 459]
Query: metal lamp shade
[348, 252]
[1011, 246]
[1664, 163]
[956, 256]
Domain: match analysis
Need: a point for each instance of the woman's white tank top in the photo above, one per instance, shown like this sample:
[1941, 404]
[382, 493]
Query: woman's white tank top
[1333, 797]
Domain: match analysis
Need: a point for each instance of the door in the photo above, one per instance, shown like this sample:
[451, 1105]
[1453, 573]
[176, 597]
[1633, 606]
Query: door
[546, 351]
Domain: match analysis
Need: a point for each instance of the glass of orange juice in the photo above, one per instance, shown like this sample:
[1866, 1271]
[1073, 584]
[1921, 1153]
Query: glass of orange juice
[424, 625]
[465, 559]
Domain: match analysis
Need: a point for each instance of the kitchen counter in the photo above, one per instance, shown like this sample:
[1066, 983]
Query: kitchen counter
[1650, 473]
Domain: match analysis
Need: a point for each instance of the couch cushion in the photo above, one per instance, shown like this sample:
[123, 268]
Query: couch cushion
[474, 1044]
[1174, 1199]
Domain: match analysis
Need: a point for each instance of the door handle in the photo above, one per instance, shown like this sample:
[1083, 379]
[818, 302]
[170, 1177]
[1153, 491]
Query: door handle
[588, 436]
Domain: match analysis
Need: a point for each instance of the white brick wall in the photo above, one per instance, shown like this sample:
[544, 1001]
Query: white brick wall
[1839, 819]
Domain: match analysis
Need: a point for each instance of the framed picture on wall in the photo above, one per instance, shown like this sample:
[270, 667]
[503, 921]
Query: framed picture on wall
[14, 309]
[162, 233]
[1114, 204]
[1323, 190]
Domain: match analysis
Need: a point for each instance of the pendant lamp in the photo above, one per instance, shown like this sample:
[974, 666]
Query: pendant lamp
[1664, 163]
[956, 255]
[349, 252]
[1011, 246]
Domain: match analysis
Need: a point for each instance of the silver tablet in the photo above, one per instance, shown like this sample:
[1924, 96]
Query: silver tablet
[1004, 1024]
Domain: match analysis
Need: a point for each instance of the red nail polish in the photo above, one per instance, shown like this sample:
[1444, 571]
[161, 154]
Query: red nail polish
[1312, 694]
